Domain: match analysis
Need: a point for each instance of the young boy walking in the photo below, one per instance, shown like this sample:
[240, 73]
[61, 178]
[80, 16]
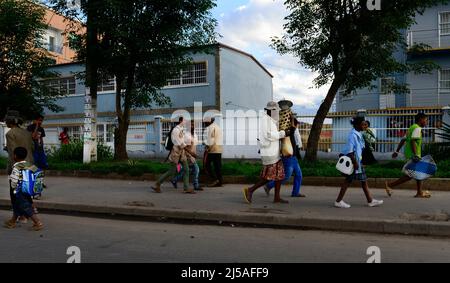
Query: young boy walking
[21, 202]
[413, 151]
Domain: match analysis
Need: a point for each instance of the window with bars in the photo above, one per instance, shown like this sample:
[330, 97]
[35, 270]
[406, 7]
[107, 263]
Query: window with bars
[75, 133]
[386, 85]
[107, 85]
[444, 23]
[444, 80]
[64, 86]
[192, 75]
[166, 127]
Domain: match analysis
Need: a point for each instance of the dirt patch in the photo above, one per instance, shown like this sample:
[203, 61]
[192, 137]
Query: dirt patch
[435, 217]
[266, 211]
[140, 204]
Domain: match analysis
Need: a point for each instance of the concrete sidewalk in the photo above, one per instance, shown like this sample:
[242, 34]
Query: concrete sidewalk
[401, 214]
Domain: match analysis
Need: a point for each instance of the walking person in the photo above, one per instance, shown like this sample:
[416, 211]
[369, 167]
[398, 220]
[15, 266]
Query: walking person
[191, 139]
[354, 150]
[38, 135]
[214, 149]
[413, 151]
[178, 156]
[269, 141]
[17, 137]
[370, 140]
[64, 137]
[291, 164]
[22, 203]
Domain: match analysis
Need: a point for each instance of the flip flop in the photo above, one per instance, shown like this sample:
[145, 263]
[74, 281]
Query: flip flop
[156, 190]
[388, 189]
[245, 191]
[37, 227]
[281, 201]
[9, 224]
[425, 194]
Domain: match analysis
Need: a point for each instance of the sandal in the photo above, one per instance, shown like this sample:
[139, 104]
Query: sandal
[388, 189]
[424, 194]
[281, 201]
[246, 196]
[156, 190]
[9, 224]
[189, 192]
[37, 227]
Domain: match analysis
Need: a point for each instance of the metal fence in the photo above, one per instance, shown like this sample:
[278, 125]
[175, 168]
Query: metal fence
[390, 126]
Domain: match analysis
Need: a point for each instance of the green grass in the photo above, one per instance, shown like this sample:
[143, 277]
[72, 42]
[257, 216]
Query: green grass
[248, 169]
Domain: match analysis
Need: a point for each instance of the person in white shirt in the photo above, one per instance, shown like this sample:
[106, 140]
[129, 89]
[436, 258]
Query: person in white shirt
[291, 164]
[269, 140]
[191, 140]
[214, 150]
[179, 157]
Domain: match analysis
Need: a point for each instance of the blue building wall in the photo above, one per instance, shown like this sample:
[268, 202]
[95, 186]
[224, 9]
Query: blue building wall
[424, 87]
[232, 76]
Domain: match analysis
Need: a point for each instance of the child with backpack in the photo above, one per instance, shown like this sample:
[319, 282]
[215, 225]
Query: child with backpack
[25, 181]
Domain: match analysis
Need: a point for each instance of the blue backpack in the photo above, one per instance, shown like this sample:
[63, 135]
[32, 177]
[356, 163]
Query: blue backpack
[32, 182]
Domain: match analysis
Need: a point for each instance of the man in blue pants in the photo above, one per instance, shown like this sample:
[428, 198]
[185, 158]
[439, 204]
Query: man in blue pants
[291, 165]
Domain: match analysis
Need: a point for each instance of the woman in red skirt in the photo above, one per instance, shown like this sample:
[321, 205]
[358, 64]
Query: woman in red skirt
[269, 139]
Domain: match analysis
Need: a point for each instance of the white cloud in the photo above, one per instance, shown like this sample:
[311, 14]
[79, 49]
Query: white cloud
[250, 27]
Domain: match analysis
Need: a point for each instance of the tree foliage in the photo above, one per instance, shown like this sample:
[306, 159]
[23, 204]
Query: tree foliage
[142, 43]
[349, 46]
[23, 59]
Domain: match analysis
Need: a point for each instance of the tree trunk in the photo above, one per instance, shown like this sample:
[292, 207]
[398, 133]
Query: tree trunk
[316, 129]
[120, 142]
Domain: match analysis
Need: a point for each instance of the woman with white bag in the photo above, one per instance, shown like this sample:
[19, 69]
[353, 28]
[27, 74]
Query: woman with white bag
[354, 150]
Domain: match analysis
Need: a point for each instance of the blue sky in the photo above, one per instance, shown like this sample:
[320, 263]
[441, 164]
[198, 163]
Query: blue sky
[249, 25]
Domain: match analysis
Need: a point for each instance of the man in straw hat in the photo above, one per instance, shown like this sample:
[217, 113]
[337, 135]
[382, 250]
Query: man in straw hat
[269, 141]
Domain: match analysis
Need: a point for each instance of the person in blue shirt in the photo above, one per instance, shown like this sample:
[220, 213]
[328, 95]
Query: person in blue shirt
[354, 149]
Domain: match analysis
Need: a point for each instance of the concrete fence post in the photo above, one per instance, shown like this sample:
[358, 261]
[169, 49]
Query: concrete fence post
[446, 115]
[159, 148]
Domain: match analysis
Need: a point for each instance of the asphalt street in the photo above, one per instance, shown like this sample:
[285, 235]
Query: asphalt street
[109, 240]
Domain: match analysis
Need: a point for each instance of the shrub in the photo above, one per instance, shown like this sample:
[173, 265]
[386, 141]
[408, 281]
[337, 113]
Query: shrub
[73, 152]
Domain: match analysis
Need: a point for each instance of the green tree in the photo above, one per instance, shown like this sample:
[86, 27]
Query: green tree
[145, 42]
[23, 59]
[141, 43]
[349, 46]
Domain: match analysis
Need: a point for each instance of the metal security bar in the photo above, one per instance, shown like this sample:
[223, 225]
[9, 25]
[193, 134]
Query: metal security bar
[390, 126]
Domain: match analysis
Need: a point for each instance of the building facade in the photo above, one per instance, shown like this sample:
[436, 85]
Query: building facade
[426, 90]
[56, 37]
[228, 83]
[391, 114]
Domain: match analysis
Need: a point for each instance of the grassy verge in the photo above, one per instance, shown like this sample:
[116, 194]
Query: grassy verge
[234, 168]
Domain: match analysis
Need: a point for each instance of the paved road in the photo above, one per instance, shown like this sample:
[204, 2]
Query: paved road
[102, 240]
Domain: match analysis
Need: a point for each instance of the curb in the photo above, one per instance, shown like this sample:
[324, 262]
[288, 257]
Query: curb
[416, 228]
[433, 184]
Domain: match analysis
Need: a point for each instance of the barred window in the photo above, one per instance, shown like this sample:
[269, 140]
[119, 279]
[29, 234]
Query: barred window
[444, 23]
[107, 85]
[191, 75]
[75, 133]
[386, 85]
[444, 80]
[64, 86]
